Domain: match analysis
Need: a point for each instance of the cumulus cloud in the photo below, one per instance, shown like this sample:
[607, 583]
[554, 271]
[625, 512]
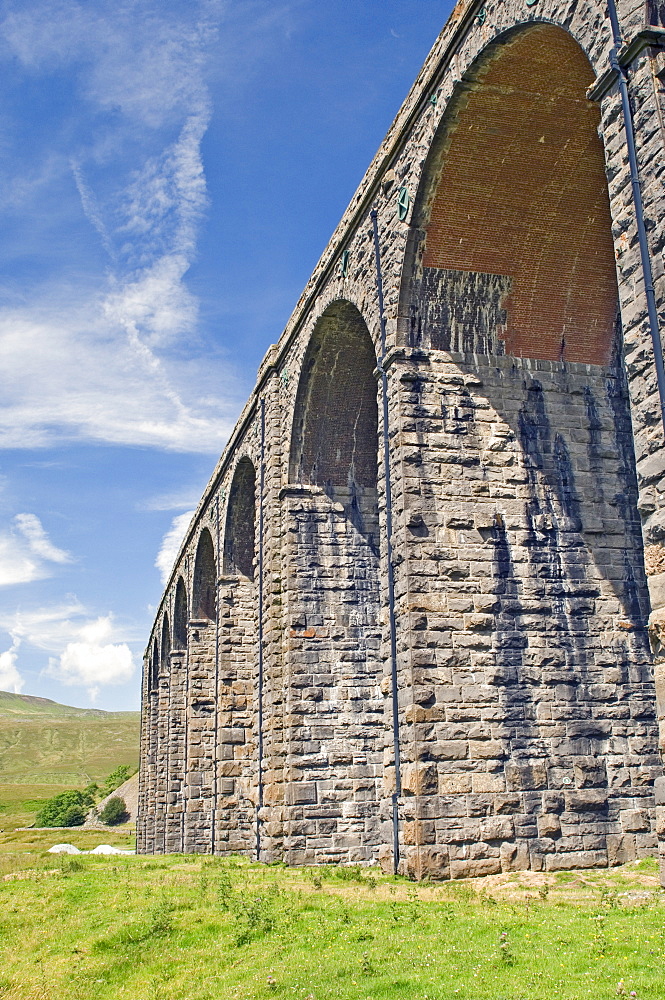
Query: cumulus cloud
[88, 651]
[10, 678]
[93, 661]
[26, 551]
[171, 543]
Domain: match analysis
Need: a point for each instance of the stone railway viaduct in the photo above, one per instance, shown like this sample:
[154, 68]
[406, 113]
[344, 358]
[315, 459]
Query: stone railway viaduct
[415, 615]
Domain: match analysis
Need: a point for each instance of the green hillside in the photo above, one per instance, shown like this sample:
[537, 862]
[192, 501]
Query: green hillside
[46, 748]
[26, 704]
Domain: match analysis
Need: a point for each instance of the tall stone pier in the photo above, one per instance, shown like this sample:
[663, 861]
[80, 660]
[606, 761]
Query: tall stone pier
[419, 615]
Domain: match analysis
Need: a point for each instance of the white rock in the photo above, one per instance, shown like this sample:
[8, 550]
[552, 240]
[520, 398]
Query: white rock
[107, 849]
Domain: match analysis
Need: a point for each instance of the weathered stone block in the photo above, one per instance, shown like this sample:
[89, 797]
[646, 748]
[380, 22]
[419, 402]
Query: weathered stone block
[472, 868]
[586, 800]
[299, 793]
[419, 779]
[526, 776]
[634, 820]
[549, 825]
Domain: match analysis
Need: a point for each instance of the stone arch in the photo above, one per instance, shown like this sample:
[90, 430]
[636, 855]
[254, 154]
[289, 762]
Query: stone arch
[512, 241]
[334, 438]
[239, 535]
[512, 260]
[332, 511]
[204, 603]
[166, 641]
[180, 616]
[334, 435]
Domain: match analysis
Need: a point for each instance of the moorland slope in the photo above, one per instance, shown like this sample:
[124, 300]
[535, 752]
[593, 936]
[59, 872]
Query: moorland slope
[46, 748]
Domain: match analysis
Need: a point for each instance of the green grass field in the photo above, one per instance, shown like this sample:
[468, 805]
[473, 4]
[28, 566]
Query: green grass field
[46, 748]
[191, 928]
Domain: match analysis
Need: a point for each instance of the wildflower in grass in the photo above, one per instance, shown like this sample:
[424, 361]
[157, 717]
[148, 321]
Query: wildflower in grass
[507, 957]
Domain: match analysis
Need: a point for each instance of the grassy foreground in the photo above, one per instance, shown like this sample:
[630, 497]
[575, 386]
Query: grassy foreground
[189, 928]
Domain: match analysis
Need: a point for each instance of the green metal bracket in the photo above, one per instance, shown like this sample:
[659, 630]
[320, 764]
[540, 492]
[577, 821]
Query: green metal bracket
[531, 3]
[481, 16]
[344, 263]
[403, 203]
[284, 378]
[434, 99]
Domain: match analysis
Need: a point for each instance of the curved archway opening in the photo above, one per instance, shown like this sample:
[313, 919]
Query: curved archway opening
[515, 250]
[334, 440]
[180, 616]
[239, 540]
[154, 666]
[166, 641]
[334, 596]
[513, 255]
[204, 603]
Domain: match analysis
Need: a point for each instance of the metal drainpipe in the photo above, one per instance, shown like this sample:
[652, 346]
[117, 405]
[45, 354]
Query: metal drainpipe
[389, 545]
[652, 308]
[260, 632]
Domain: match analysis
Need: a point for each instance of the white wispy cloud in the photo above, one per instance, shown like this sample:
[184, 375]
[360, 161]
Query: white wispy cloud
[26, 552]
[66, 376]
[187, 497]
[171, 544]
[17, 565]
[49, 628]
[116, 359]
[91, 208]
[142, 57]
[40, 544]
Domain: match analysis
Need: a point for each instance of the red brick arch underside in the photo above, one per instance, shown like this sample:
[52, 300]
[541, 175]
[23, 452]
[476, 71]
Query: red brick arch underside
[517, 197]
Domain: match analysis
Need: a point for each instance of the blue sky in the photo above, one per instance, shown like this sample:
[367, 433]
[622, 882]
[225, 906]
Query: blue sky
[170, 172]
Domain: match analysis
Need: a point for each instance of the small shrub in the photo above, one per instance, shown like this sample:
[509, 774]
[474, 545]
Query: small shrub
[65, 809]
[114, 812]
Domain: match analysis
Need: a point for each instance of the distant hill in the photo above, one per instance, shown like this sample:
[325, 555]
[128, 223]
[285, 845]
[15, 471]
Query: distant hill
[46, 747]
[27, 704]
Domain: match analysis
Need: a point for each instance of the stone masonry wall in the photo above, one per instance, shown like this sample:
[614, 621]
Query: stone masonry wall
[528, 736]
[335, 706]
[527, 500]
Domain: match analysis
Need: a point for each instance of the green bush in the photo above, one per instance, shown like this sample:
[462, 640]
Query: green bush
[65, 809]
[114, 812]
